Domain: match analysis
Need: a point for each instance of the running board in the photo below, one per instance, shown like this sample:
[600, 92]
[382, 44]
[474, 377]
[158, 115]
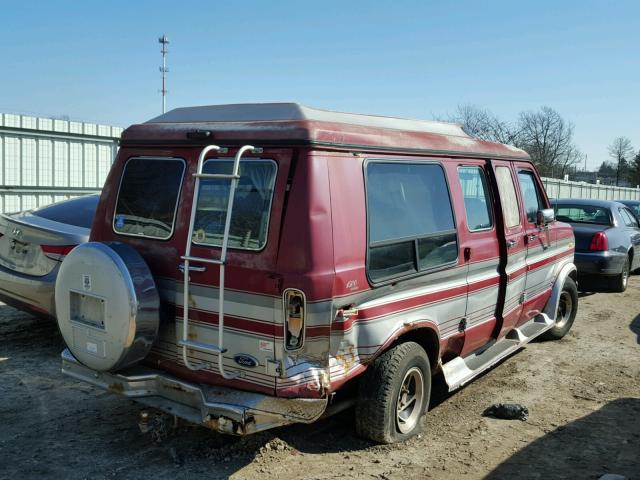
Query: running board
[460, 371]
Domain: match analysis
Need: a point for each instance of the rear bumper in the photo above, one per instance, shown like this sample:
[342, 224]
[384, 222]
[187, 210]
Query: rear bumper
[223, 409]
[599, 263]
[26, 292]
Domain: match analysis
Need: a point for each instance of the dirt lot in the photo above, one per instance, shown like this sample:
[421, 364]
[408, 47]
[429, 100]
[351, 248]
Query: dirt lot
[583, 394]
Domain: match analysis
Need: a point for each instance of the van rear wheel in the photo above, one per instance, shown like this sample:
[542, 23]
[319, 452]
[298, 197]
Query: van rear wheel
[394, 394]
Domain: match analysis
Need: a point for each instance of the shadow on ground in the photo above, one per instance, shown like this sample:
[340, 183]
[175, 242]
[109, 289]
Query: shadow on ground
[606, 441]
[635, 327]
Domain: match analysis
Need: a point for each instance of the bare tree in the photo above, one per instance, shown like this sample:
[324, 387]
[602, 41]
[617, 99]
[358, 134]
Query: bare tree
[544, 134]
[621, 151]
[548, 139]
[481, 123]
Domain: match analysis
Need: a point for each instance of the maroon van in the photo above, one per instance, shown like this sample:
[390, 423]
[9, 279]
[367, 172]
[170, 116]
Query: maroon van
[257, 265]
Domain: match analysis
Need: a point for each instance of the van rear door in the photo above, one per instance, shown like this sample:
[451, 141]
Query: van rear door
[252, 301]
[513, 249]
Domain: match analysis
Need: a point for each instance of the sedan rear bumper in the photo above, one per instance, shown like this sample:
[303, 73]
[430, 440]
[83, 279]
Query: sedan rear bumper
[223, 409]
[26, 292]
[599, 263]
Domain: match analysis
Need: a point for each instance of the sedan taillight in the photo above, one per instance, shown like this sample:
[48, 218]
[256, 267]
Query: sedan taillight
[57, 252]
[599, 242]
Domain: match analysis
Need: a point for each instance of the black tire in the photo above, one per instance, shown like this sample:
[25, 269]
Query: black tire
[566, 312]
[619, 282]
[377, 417]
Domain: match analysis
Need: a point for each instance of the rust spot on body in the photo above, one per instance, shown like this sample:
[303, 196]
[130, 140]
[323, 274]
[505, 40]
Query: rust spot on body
[116, 387]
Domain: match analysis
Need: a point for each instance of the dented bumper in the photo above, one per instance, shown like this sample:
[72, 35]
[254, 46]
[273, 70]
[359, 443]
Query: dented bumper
[223, 409]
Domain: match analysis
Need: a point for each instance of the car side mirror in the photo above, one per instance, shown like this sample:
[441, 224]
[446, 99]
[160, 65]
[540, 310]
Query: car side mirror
[545, 216]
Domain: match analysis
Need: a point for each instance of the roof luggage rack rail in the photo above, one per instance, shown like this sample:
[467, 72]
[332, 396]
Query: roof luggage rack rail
[233, 178]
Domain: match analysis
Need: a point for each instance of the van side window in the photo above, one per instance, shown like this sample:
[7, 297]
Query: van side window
[148, 197]
[508, 197]
[531, 195]
[411, 224]
[476, 198]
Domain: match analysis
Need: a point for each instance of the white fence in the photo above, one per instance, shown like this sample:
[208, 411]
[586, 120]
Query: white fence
[560, 189]
[44, 160]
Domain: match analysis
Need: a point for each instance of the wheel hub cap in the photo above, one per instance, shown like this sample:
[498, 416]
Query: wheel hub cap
[410, 400]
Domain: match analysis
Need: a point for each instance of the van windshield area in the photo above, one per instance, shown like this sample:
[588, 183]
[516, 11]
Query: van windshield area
[251, 205]
[583, 214]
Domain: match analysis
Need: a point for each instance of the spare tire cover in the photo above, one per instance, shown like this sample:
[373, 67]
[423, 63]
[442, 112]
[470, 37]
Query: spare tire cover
[107, 305]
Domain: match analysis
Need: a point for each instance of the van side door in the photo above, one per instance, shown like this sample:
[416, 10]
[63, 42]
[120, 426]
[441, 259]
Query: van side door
[481, 247]
[540, 241]
[513, 251]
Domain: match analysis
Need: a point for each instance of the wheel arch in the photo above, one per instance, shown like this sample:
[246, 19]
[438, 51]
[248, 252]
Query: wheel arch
[424, 333]
[567, 270]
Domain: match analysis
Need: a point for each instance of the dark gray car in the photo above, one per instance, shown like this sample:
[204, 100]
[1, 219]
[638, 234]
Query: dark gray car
[607, 237]
[32, 247]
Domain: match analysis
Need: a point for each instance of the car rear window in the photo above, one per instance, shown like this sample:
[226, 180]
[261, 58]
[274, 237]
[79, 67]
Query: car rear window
[78, 212]
[583, 214]
[411, 224]
[251, 204]
[148, 197]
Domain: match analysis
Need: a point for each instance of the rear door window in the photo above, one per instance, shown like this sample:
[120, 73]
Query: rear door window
[148, 197]
[476, 198]
[583, 214]
[410, 218]
[251, 204]
[628, 218]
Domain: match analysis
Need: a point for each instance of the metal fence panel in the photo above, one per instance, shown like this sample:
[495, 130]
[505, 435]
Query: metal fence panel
[44, 160]
[560, 189]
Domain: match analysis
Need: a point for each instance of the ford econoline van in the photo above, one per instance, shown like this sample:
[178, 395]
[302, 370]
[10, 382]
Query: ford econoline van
[257, 265]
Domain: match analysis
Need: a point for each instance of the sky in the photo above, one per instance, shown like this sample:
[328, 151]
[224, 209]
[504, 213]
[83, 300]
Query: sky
[99, 61]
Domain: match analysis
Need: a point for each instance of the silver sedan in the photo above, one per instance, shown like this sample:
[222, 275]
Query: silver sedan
[32, 247]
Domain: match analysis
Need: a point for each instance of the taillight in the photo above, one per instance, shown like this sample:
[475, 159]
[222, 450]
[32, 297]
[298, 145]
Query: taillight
[294, 317]
[57, 252]
[599, 242]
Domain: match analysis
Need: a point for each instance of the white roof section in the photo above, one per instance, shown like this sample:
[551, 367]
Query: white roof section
[265, 112]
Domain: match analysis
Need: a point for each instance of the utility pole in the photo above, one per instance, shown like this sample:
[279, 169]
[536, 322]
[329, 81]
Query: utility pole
[164, 41]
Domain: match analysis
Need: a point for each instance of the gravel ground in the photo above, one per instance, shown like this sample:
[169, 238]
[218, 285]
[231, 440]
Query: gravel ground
[583, 394]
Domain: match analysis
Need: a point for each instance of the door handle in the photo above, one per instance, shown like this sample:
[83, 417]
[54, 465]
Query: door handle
[511, 243]
[192, 268]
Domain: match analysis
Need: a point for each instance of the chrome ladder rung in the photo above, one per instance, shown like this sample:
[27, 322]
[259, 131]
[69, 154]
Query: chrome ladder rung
[218, 176]
[202, 347]
[214, 261]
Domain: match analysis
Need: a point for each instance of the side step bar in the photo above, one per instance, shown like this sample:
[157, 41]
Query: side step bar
[460, 371]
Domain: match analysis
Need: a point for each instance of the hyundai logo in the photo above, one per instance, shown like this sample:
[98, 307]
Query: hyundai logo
[17, 232]
[246, 360]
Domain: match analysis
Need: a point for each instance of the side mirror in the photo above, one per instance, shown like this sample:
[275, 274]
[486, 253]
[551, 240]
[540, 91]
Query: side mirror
[545, 216]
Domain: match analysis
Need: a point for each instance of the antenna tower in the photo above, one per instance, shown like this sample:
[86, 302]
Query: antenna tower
[164, 41]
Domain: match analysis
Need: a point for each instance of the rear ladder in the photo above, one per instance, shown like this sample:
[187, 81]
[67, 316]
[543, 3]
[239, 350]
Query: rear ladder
[234, 177]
